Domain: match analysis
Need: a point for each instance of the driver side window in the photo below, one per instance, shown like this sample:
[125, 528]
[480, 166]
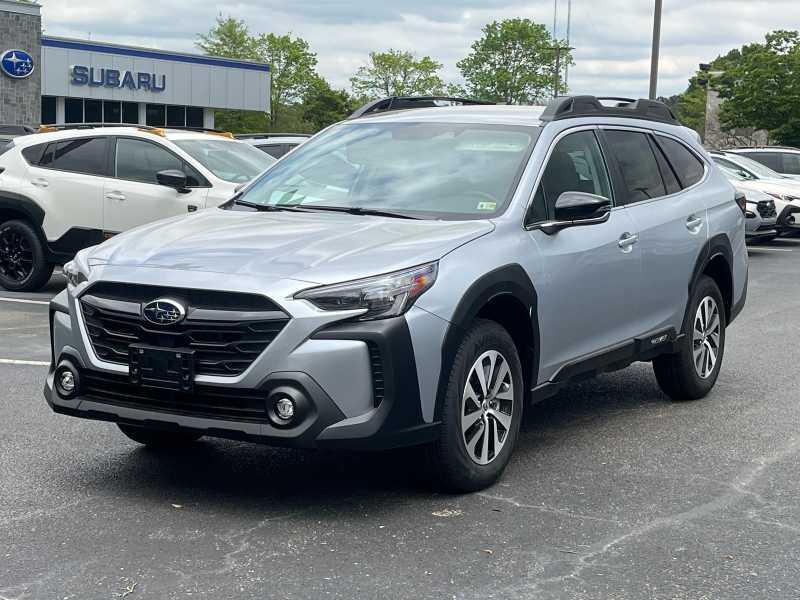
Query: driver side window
[575, 165]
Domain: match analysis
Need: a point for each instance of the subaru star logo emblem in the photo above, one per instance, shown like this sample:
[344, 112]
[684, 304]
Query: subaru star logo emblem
[163, 312]
[16, 63]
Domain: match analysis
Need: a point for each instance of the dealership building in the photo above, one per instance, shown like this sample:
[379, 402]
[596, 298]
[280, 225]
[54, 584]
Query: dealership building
[55, 80]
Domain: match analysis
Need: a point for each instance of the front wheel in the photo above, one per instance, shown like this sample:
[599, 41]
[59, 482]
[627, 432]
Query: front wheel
[23, 263]
[692, 372]
[157, 438]
[481, 413]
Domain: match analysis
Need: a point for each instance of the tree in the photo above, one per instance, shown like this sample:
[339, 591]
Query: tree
[397, 73]
[292, 67]
[761, 88]
[514, 62]
[324, 106]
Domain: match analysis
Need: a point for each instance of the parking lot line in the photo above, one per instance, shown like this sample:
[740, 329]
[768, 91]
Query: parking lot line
[24, 301]
[34, 363]
[771, 249]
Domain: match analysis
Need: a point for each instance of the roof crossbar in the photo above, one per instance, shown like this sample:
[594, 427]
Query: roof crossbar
[573, 107]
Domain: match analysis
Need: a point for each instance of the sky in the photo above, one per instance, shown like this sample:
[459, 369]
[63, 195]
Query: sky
[611, 38]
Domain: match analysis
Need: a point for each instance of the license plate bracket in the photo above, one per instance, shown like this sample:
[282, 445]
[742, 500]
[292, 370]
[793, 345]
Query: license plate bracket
[161, 368]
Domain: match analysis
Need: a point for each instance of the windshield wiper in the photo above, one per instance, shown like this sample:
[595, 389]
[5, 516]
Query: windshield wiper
[355, 210]
[268, 207]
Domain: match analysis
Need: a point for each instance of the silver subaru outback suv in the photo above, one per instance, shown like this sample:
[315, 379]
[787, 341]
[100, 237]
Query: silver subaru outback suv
[413, 278]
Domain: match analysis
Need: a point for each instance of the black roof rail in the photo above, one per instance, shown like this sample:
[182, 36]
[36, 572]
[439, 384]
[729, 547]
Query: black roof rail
[573, 107]
[408, 102]
[266, 136]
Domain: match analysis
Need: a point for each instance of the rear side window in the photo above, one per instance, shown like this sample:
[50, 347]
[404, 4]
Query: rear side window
[688, 167]
[637, 163]
[768, 159]
[84, 155]
[33, 154]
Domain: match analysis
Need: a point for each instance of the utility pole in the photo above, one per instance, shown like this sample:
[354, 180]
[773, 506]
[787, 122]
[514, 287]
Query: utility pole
[569, 23]
[655, 52]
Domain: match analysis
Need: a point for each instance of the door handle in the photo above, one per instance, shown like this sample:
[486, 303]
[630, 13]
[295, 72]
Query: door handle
[39, 182]
[627, 240]
[115, 196]
[694, 223]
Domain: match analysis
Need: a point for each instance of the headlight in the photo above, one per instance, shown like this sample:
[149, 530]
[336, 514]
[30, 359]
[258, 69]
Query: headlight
[74, 275]
[381, 296]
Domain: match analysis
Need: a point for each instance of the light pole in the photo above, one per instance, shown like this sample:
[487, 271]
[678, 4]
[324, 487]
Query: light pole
[654, 54]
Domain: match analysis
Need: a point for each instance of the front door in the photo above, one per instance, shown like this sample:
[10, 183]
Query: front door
[589, 281]
[134, 197]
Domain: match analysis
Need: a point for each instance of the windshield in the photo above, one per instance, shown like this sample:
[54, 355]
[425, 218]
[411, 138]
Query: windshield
[428, 170]
[232, 161]
[734, 174]
[757, 168]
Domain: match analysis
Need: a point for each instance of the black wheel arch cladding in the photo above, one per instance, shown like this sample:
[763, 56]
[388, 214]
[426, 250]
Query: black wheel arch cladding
[509, 281]
[716, 249]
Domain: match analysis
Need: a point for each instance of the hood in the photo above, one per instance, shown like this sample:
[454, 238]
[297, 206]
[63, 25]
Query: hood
[314, 247]
[753, 195]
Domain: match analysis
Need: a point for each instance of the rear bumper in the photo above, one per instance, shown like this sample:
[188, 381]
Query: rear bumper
[243, 413]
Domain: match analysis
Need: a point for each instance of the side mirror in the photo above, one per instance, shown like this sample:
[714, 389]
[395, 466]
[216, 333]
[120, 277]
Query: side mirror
[578, 208]
[172, 178]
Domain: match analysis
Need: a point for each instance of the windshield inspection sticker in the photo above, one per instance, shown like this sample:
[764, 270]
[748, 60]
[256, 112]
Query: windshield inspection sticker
[487, 205]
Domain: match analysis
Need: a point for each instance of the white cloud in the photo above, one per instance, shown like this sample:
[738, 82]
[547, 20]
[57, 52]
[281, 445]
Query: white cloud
[611, 37]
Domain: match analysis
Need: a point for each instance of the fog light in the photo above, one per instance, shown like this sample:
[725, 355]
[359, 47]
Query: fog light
[284, 409]
[67, 381]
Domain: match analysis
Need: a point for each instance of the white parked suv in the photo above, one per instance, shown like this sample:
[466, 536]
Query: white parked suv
[67, 189]
[781, 159]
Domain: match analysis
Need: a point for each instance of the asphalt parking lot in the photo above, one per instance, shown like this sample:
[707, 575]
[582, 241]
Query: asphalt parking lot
[614, 492]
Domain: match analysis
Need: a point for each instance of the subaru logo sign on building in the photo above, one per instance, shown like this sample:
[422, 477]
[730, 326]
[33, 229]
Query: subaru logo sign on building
[16, 63]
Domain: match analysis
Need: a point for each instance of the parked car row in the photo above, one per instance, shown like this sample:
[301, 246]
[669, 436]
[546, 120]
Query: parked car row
[746, 170]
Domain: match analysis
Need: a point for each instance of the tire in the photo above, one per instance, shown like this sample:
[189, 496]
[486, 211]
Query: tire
[453, 466]
[23, 262]
[157, 438]
[685, 375]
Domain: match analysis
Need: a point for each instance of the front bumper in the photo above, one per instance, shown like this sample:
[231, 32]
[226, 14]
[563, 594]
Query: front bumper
[358, 383]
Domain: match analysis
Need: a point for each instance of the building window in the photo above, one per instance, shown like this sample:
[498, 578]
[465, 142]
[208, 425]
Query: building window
[112, 112]
[73, 110]
[156, 115]
[130, 113]
[92, 111]
[176, 116]
[48, 110]
[194, 116]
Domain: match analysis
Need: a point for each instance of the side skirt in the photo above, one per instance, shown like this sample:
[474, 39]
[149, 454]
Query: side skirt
[641, 349]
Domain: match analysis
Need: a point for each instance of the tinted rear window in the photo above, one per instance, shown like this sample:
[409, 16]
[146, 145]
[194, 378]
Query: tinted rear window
[84, 155]
[33, 154]
[687, 166]
[638, 164]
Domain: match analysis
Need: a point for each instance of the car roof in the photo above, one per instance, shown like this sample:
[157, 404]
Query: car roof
[764, 149]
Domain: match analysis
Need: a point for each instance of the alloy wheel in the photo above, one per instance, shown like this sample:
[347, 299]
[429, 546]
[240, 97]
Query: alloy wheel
[16, 255]
[487, 407]
[706, 337]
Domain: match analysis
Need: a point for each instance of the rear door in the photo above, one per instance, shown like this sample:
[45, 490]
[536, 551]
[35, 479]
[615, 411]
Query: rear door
[66, 179]
[134, 197]
[660, 176]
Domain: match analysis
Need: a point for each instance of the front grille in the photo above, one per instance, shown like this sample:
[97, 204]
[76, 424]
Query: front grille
[227, 331]
[378, 380]
[206, 401]
[766, 208]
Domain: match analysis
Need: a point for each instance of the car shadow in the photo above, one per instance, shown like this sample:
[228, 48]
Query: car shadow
[249, 475]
